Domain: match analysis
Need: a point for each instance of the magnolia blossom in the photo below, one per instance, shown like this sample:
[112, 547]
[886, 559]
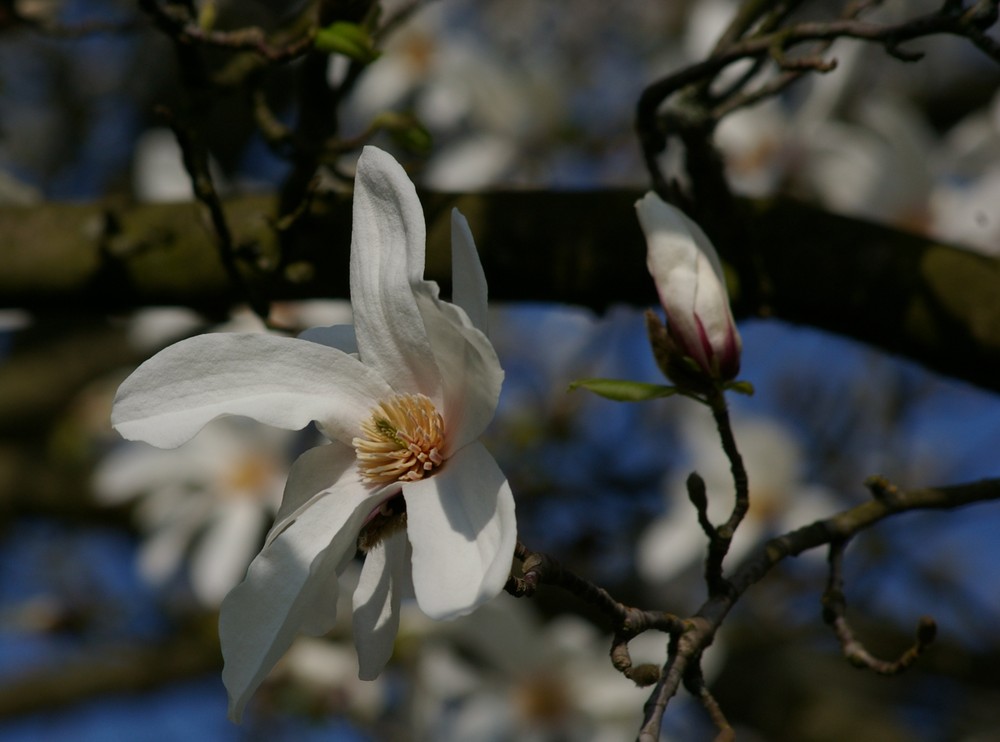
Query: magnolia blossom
[209, 501]
[403, 397]
[692, 288]
[504, 674]
[780, 498]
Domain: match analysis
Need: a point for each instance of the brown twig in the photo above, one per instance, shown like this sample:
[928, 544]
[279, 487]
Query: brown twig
[195, 156]
[722, 536]
[178, 22]
[838, 528]
[627, 622]
[951, 18]
[834, 613]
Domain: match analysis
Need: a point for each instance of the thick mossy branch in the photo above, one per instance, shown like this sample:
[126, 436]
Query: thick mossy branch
[900, 292]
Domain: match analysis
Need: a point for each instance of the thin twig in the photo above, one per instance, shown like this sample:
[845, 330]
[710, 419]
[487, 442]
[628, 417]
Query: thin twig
[951, 19]
[195, 156]
[723, 536]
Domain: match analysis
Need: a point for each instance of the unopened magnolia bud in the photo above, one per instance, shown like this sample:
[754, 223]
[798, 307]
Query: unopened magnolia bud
[691, 285]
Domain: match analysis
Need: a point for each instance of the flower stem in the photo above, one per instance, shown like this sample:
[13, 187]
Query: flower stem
[723, 536]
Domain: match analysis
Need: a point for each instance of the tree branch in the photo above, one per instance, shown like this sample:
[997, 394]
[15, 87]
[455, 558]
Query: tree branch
[701, 628]
[902, 293]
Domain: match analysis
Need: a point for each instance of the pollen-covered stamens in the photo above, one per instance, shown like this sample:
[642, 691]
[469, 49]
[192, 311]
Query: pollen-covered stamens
[403, 440]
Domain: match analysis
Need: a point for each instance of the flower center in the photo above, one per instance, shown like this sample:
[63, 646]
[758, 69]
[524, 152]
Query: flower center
[402, 440]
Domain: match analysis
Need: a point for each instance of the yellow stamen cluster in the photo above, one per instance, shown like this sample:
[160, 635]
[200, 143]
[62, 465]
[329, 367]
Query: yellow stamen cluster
[402, 441]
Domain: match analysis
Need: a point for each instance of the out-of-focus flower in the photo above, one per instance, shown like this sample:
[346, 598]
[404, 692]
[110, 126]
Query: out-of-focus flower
[967, 213]
[210, 501]
[692, 288]
[505, 674]
[874, 166]
[963, 206]
[403, 398]
[779, 498]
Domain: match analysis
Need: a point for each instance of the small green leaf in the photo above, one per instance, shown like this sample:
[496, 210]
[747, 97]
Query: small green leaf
[623, 390]
[348, 39]
[405, 130]
[740, 387]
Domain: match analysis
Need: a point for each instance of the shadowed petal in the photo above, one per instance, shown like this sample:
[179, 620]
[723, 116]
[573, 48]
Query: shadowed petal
[384, 580]
[387, 263]
[311, 477]
[468, 281]
[462, 529]
[471, 375]
[290, 586]
[280, 381]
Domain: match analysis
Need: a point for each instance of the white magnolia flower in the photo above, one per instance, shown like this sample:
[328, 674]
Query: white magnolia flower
[506, 674]
[208, 501]
[779, 498]
[403, 398]
[692, 288]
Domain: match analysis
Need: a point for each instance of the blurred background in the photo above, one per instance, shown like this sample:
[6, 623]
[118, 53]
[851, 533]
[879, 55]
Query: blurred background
[115, 556]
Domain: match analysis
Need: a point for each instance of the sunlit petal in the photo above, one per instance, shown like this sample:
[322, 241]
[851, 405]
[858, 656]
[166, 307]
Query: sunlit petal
[387, 263]
[279, 381]
[462, 530]
[384, 580]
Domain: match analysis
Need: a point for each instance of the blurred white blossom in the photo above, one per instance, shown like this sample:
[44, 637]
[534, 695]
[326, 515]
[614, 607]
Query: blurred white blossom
[505, 674]
[780, 499]
[206, 504]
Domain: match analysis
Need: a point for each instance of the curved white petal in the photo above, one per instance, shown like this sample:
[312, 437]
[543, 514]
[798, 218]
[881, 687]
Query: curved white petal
[468, 281]
[471, 376]
[290, 586]
[461, 526]
[387, 264]
[280, 381]
[310, 477]
[384, 580]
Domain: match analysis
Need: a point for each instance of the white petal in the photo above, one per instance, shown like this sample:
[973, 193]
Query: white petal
[220, 559]
[280, 381]
[468, 281]
[387, 263]
[311, 477]
[384, 580]
[290, 586]
[461, 526]
[471, 376]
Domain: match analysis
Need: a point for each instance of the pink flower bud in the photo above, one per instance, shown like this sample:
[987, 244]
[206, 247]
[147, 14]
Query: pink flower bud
[692, 289]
